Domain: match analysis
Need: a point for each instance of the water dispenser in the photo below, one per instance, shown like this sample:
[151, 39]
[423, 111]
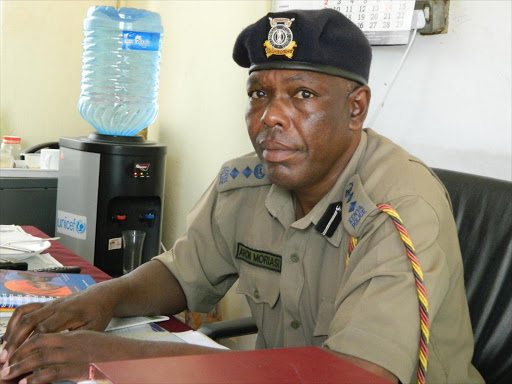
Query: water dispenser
[113, 179]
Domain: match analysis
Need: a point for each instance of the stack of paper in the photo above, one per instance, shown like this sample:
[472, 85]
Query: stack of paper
[13, 236]
[147, 329]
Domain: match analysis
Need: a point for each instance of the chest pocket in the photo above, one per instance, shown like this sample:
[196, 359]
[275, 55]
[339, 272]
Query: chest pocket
[261, 285]
[324, 317]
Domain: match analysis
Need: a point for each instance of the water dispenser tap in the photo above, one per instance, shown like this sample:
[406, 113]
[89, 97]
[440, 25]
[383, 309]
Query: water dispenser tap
[119, 218]
[148, 217]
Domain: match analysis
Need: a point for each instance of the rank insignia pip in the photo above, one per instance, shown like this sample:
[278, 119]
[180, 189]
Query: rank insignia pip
[280, 38]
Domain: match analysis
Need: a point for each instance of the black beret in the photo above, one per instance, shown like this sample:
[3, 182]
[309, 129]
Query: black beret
[313, 40]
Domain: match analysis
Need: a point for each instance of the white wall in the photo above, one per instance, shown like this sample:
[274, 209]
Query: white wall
[202, 98]
[451, 103]
[40, 62]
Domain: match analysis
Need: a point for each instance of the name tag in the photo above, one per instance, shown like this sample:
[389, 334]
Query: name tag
[260, 259]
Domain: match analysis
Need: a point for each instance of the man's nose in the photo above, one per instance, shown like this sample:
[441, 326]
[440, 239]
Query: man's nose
[276, 113]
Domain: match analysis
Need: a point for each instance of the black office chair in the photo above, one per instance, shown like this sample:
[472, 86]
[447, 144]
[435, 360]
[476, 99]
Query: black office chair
[482, 208]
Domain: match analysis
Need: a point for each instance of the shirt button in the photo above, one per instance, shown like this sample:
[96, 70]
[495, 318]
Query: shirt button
[295, 324]
[256, 294]
[294, 258]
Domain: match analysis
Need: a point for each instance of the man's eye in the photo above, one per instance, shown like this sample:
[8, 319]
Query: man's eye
[257, 94]
[304, 94]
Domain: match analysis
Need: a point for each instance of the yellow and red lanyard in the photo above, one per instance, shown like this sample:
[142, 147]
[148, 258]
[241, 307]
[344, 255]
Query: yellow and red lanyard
[420, 286]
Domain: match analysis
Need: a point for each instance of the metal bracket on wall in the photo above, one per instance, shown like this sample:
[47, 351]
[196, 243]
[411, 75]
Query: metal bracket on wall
[436, 16]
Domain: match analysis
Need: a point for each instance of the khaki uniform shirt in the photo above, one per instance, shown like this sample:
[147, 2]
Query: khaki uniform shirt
[295, 280]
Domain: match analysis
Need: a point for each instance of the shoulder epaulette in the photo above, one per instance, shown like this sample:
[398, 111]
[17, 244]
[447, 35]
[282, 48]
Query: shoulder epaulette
[245, 171]
[357, 207]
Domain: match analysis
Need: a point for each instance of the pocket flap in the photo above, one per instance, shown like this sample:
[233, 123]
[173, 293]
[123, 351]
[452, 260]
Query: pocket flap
[261, 285]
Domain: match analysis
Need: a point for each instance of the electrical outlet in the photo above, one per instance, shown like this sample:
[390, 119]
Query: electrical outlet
[436, 16]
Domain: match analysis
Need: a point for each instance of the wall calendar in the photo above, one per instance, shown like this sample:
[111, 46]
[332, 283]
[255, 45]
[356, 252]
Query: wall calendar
[384, 22]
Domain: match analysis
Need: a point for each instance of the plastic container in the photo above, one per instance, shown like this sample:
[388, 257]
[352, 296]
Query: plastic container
[120, 69]
[6, 159]
[33, 160]
[12, 145]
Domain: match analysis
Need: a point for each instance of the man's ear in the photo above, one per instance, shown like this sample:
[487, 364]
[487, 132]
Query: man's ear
[358, 102]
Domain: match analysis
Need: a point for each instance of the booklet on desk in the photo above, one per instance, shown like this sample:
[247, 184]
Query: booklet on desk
[23, 287]
[290, 365]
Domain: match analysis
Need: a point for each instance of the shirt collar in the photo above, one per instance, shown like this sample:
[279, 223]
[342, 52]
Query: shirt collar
[280, 202]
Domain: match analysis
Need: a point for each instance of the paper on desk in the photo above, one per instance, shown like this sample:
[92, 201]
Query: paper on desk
[197, 338]
[11, 228]
[149, 332]
[40, 261]
[153, 332]
[13, 235]
[125, 322]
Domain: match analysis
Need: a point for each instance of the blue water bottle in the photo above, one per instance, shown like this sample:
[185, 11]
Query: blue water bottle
[120, 70]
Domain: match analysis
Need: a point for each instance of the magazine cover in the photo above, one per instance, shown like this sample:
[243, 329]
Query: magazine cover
[23, 287]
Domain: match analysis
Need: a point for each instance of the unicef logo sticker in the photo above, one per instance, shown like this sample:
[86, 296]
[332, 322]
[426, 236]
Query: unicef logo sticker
[80, 226]
[71, 224]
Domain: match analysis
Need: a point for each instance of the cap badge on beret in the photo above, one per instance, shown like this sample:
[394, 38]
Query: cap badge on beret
[280, 38]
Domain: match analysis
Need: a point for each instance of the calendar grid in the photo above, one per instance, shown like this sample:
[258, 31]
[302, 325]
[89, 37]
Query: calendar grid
[384, 22]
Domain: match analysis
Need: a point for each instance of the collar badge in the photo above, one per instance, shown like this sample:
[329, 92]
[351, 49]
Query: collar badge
[280, 38]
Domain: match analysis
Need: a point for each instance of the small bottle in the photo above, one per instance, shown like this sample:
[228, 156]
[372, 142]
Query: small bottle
[12, 145]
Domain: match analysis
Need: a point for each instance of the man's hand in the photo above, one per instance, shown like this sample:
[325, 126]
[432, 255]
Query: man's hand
[34, 337]
[94, 308]
[61, 356]
[88, 310]
[66, 356]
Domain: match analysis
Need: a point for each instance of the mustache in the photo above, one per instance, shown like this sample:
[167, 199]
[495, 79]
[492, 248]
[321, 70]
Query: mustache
[274, 140]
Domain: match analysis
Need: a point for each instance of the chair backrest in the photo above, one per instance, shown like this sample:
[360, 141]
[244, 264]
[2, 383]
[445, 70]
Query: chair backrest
[38, 147]
[482, 208]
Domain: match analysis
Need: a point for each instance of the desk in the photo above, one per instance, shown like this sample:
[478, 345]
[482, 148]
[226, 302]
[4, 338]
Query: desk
[67, 257]
[309, 365]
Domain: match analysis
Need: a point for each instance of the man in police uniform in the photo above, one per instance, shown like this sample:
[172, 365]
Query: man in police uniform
[304, 224]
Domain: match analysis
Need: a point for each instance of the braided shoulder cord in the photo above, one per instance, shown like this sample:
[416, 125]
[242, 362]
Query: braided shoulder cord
[352, 242]
[420, 287]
